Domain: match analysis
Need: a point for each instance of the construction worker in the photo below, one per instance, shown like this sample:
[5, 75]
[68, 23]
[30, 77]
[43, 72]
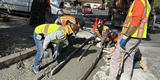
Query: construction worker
[46, 36]
[103, 33]
[134, 29]
[67, 19]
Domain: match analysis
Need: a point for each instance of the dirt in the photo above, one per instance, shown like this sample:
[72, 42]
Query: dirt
[15, 35]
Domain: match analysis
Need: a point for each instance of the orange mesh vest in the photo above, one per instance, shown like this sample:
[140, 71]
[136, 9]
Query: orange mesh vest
[64, 19]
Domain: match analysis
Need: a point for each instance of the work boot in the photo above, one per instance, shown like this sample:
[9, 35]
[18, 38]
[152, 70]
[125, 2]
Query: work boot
[35, 70]
[143, 63]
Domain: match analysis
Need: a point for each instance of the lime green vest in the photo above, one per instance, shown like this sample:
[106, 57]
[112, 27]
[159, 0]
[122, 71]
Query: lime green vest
[47, 29]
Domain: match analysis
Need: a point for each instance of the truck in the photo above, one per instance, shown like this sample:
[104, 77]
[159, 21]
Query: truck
[117, 18]
[23, 7]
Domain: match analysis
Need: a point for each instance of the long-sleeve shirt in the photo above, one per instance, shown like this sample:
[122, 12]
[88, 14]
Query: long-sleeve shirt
[57, 35]
[137, 12]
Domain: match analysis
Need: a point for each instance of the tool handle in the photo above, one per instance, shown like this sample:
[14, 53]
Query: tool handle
[80, 57]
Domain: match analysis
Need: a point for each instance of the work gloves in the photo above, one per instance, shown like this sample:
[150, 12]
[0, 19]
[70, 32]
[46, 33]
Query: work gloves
[122, 41]
[46, 54]
[56, 53]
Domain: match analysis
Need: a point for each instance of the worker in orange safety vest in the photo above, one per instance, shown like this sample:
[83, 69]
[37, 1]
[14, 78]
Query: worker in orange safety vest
[134, 29]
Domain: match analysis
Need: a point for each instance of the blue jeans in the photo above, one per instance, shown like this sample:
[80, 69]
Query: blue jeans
[39, 53]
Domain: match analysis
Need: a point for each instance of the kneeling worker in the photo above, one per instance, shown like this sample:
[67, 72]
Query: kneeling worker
[46, 35]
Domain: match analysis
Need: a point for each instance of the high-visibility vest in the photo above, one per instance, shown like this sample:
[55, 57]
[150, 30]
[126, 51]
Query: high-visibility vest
[47, 29]
[141, 30]
[105, 28]
[63, 20]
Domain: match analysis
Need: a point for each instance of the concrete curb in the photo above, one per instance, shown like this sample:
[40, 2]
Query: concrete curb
[14, 58]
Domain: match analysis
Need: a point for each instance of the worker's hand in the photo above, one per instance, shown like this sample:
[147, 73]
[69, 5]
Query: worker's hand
[46, 54]
[56, 53]
[122, 41]
[92, 40]
[102, 46]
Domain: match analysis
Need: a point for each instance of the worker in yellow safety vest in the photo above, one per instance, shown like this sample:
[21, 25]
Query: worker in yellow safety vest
[46, 36]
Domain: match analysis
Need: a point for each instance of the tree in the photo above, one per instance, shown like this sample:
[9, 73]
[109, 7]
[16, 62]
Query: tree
[156, 4]
[37, 15]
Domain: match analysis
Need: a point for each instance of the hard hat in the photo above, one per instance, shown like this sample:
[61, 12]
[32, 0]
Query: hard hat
[75, 28]
[112, 35]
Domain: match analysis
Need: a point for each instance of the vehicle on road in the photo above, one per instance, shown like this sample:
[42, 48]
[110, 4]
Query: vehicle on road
[157, 19]
[101, 7]
[157, 13]
[24, 6]
[118, 15]
[86, 9]
[95, 6]
[67, 5]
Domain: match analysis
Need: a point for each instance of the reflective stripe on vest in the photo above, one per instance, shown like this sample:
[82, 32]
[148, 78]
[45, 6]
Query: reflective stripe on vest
[46, 30]
[141, 30]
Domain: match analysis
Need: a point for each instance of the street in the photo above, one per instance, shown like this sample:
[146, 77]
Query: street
[74, 70]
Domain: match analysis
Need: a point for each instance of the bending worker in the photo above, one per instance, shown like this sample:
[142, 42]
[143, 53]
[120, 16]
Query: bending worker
[66, 19]
[46, 35]
[134, 29]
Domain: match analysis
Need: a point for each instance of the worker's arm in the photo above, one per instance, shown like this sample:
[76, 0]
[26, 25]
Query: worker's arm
[57, 35]
[104, 36]
[130, 30]
[137, 14]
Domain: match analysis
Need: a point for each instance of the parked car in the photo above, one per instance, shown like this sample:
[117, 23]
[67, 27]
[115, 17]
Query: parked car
[95, 6]
[157, 13]
[101, 7]
[157, 18]
[86, 9]
[67, 4]
[24, 6]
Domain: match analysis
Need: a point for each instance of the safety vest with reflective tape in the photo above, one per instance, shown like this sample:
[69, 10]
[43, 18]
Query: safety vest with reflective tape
[141, 30]
[105, 28]
[63, 20]
[47, 29]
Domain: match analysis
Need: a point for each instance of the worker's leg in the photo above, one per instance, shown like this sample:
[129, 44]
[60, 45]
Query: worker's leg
[128, 64]
[137, 59]
[114, 64]
[39, 52]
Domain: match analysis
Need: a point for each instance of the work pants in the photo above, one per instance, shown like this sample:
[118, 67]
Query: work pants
[131, 44]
